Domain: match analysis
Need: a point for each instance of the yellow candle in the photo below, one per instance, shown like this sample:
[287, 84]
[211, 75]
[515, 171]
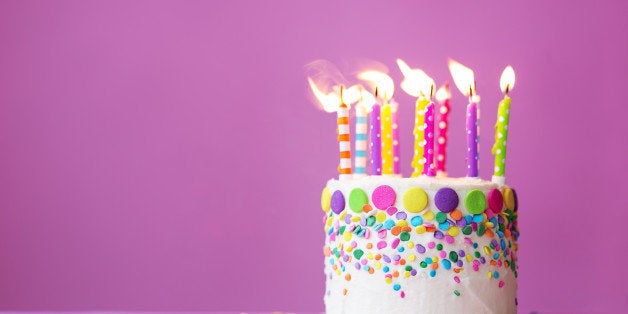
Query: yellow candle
[387, 140]
[419, 136]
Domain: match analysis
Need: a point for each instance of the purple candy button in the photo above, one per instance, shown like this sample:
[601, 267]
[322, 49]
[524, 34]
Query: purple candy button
[446, 200]
[337, 202]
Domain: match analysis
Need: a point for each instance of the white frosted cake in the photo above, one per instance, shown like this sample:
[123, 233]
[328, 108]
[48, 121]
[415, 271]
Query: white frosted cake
[420, 245]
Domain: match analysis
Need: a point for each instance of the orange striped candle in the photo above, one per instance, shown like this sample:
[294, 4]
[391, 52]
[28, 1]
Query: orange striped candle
[344, 141]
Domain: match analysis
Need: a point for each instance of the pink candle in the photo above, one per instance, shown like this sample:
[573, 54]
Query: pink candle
[428, 150]
[443, 97]
[396, 147]
[376, 141]
[472, 139]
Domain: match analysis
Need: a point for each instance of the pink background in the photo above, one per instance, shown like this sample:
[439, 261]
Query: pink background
[159, 155]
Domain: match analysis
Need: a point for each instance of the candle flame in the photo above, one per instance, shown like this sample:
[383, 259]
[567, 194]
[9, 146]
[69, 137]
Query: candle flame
[381, 81]
[416, 82]
[443, 93]
[507, 81]
[329, 102]
[463, 77]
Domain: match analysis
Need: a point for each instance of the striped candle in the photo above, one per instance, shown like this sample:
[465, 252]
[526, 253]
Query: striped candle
[360, 141]
[344, 140]
[376, 141]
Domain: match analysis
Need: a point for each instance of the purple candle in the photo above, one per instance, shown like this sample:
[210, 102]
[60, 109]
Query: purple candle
[376, 141]
[428, 150]
[472, 139]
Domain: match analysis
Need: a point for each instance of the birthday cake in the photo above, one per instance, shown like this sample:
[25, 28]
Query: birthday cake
[420, 245]
[428, 243]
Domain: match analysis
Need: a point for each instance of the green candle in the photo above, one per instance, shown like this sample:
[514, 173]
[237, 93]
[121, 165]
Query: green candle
[507, 82]
[501, 134]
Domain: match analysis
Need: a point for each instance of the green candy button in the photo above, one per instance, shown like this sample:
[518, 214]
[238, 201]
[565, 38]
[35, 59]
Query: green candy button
[357, 199]
[475, 202]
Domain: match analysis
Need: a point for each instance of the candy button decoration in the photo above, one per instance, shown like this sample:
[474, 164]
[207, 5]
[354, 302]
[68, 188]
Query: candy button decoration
[415, 199]
[495, 200]
[446, 200]
[357, 200]
[475, 202]
[326, 200]
[383, 197]
[337, 202]
[509, 198]
[514, 194]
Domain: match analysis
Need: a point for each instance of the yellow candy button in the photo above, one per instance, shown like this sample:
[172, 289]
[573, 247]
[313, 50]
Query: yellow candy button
[326, 200]
[509, 198]
[415, 200]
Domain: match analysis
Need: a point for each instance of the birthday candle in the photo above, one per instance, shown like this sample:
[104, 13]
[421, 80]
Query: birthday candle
[472, 139]
[418, 84]
[396, 147]
[428, 151]
[464, 79]
[443, 96]
[419, 136]
[360, 141]
[387, 140]
[344, 141]
[507, 82]
[376, 141]
[381, 130]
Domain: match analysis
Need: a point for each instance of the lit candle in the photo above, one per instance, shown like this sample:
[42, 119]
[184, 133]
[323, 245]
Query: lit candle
[443, 96]
[376, 140]
[396, 147]
[463, 78]
[344, 139]
[506, 82]
[428, 151]
[381, 137]
[366, 100]
[333, 102]
[416, 83]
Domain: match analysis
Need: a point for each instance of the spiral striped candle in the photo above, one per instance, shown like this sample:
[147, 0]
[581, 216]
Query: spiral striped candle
[360, 141]
[344, 140]
[419, 136]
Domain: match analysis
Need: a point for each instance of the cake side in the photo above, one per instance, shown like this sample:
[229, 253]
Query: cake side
[420, 245]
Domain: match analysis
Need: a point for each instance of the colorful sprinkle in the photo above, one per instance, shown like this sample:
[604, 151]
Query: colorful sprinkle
[457, 293]
[416, 220]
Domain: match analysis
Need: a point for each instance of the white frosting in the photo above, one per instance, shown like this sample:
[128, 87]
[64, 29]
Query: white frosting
[369, 293]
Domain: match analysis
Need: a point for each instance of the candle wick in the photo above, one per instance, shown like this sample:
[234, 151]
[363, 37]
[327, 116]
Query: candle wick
[431, 91]
[507, 89]
[376, 92]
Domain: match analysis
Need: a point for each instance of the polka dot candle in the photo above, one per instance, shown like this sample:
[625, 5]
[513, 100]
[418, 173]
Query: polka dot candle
[428, 151]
